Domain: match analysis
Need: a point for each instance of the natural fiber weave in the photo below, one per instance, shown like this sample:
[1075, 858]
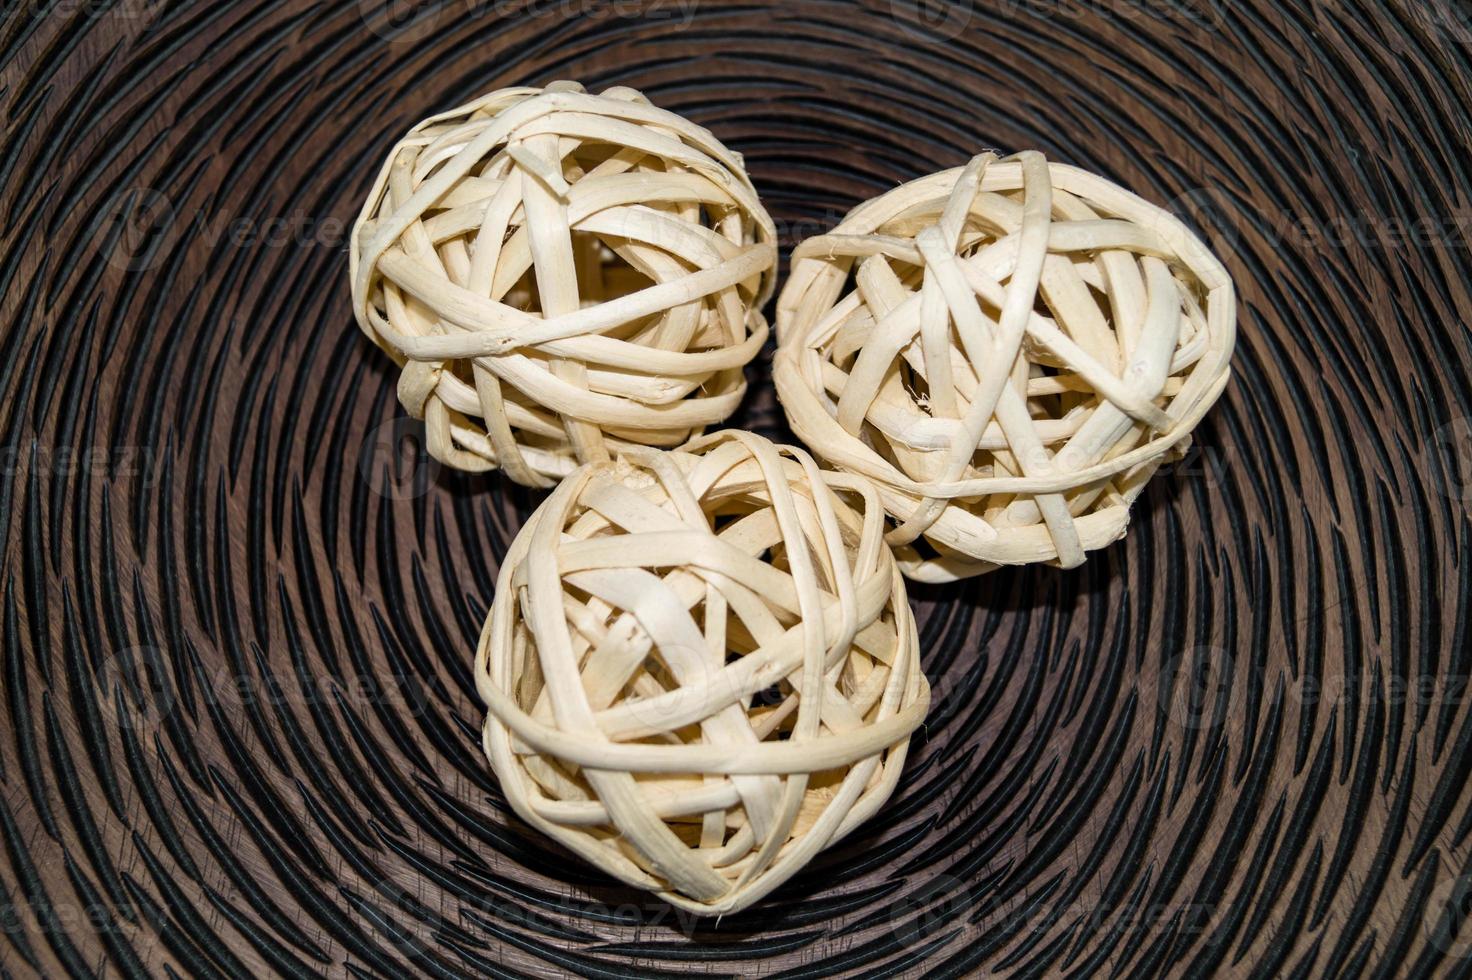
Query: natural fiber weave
[701, 667]
[562, 275]
[1008, 350]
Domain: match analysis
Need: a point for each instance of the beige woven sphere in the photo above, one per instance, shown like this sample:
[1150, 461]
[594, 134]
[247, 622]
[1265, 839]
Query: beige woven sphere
[562, 275]
[1008, 350]
[701, 667]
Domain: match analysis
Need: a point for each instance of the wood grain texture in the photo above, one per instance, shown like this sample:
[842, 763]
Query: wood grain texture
[240, 735]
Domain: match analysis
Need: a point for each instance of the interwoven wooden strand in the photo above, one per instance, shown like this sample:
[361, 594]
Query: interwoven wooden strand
[701, 667]
[562, 275]
[1008, 350]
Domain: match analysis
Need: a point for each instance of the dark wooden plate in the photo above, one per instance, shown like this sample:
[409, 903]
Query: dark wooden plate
[238, 607]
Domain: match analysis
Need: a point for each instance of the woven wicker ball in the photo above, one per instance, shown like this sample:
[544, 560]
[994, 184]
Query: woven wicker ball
[701, 667]
[562, 275]
[1008, 350]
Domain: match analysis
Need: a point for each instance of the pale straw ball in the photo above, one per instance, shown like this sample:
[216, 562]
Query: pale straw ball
[701, 667]
[562, 275]
[1008, 350]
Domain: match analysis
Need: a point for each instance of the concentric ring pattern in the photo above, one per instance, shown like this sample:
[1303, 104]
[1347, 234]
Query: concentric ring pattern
[238, 605]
